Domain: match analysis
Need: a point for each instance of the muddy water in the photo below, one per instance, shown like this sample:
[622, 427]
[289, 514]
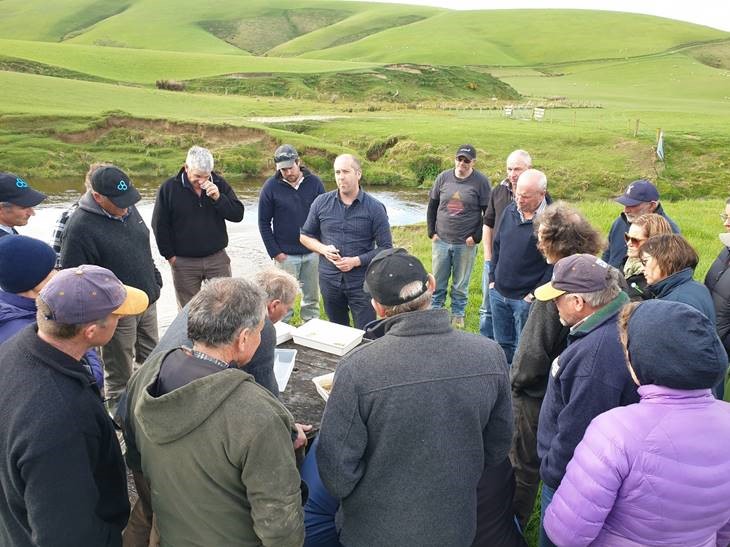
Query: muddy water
[245, 247]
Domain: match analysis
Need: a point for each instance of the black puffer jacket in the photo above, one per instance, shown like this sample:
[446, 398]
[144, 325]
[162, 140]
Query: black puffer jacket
[717, 281]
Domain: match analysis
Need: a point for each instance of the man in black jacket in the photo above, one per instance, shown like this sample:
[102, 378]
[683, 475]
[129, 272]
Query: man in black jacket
[61, 470]
[189, 222]
[107, 230]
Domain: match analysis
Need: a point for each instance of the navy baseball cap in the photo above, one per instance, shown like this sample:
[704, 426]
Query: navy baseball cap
[114, 183]
[639, 191]
[467, 151]
[15, 190]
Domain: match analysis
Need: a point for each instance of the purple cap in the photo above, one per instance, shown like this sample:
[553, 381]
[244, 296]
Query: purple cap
[581, 273]
[89, 293]
[15, 190]
[639, 191]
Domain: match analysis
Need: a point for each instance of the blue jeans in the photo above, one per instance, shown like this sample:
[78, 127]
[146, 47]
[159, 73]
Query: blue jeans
[454, 260]
[508, 317]
[545, 500]
[342, 295]
[485, 310]
[305, 268]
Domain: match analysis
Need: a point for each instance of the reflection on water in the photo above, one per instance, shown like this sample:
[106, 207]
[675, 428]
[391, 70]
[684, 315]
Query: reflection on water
[247, 252]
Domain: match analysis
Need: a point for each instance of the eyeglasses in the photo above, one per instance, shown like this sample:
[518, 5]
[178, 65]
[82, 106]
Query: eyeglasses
[723, 217]
[633, 240]
[644, 260]
[462, 159]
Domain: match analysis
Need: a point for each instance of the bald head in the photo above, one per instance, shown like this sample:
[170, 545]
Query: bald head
[530, 191]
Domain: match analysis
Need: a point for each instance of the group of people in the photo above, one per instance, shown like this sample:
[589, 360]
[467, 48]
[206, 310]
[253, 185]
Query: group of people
[598, 380]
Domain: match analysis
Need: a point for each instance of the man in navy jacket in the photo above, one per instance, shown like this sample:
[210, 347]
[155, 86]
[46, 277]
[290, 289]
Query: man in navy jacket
[591, 375]
[284, 204]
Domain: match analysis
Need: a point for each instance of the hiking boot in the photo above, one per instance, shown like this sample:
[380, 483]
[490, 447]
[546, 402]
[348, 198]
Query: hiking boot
[457, 321]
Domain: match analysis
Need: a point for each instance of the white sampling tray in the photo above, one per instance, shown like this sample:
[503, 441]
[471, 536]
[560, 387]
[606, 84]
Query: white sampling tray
[283, 332]
[283, 366]
[324, 384]
[327, 336]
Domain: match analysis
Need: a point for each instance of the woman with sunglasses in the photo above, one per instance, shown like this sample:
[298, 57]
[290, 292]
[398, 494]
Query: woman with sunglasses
[640, 230]
[717, 281]
[669, 263]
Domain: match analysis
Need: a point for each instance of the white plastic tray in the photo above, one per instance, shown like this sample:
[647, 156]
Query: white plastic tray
[324, 384]
[327, 336]
[283, 332]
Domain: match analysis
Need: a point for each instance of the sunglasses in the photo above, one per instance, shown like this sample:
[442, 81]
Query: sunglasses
[462, 159]
[723, 217]
[633, 240]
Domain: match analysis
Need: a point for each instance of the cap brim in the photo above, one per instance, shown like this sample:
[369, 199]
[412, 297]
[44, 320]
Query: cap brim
[29, 198]
[127, 199]
[135, 303]
[285, 164]
[630, 202]
[547, 292]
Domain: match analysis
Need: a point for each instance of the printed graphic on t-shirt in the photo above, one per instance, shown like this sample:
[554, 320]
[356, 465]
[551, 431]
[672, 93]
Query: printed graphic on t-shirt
[455, 206]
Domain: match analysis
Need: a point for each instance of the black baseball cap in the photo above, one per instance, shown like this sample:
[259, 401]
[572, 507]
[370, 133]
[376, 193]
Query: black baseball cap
[466, 150]
[15, 190]
[389, 272]
[113, 183]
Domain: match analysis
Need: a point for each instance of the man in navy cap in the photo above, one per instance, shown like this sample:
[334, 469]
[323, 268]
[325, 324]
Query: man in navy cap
[108, 231]
[61, 469]
[641, 197]
[17, 200]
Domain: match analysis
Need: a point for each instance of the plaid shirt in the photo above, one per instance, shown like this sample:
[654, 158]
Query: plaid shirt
[59, 229]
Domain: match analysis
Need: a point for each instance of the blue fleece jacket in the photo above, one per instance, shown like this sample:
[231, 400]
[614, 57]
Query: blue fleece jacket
[616, 251]
[283, 210]
[517, 266]
[587, 379]
[680, 287]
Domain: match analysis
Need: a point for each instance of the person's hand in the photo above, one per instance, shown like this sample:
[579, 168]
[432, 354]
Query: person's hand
[435, 237]
[331, 253]
[529, 298]
[347, 263]
[491, 285]
[211, 190]
[470, 241]
[172, 260]
[301, 439]
[281, 257]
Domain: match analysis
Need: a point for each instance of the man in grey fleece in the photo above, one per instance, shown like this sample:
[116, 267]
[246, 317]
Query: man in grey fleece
[414, 419]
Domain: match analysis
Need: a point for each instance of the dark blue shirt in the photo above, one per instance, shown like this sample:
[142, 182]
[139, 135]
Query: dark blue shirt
[354, 230]
[282, 211]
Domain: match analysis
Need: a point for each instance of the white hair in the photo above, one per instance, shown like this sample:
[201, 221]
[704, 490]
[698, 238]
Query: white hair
[522, 156]
[199, 159]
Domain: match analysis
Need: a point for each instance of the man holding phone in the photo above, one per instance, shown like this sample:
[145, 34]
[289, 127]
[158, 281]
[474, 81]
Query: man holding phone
[189, 222]
[347, 228]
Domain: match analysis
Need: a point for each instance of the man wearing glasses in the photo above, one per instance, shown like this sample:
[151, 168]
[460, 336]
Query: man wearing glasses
[640, 197]
[456, 207]
[189, 221]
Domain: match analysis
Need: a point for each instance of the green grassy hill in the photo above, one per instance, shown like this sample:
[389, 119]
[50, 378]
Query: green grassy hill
[399, 85]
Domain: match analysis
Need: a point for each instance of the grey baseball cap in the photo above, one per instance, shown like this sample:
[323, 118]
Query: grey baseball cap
[285, 156]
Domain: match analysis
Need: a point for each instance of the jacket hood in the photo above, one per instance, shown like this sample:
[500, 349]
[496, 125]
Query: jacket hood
[13, 306]
[170, 417]
[87, 203]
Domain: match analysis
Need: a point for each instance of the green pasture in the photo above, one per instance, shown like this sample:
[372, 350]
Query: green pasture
[145, 66]
[522, 37]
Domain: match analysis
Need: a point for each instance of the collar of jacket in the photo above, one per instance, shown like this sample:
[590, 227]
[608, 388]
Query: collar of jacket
[53, 357]
[414, 323]
[661, 288]
[662, 394]
[600, 316]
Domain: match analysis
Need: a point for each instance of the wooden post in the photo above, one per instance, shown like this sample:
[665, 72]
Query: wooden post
[575, 114]
[636, 129]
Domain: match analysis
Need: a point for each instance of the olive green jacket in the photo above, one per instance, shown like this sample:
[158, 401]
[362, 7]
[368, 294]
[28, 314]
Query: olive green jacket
[218, 455]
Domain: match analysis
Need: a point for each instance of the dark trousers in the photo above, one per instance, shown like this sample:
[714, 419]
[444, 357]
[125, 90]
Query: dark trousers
[341, 296]
[496, 525]
[523, 454]
[188, 273]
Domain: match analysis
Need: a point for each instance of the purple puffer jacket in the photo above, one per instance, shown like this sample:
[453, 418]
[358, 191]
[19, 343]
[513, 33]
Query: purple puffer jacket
[652, 473]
